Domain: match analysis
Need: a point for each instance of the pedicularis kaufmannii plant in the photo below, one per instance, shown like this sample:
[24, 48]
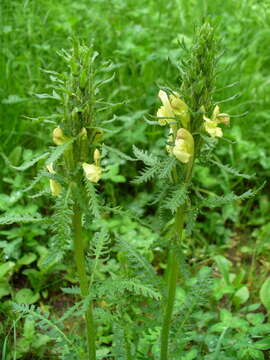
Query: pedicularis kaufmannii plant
[76, 165]
[191, 115]
[194, 123]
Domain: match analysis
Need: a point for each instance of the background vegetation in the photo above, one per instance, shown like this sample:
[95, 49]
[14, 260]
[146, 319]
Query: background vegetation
[141, 41]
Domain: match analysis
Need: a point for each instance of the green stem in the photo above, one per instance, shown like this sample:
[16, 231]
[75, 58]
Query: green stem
[81, 268]
[172, 281]
[173, 266]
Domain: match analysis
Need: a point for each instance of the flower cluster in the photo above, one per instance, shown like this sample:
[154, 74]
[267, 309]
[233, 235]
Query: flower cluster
[174, 112]
[92, 172]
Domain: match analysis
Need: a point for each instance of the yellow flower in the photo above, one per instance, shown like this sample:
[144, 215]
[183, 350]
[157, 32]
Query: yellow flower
[58, 136]
[183, 148]
[54, 185]
[92, 172]
[211, 125]
[172, 106]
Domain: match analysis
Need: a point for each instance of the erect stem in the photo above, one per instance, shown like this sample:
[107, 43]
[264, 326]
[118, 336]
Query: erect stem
[173, 267]
[81, 268]
[172, 281]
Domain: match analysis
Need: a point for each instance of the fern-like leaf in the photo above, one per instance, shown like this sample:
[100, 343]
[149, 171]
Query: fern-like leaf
[93, 199]
[176, 198]
[231, 170]
[146, 158]
[146, 174]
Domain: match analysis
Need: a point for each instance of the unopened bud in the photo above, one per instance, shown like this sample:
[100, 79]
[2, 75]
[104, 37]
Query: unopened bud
[83, 133]
[97, 156]
[54, 185]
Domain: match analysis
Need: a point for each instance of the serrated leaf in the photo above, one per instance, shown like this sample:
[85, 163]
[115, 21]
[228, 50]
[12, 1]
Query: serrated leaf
[146, 158]
[176, 198]
[11, 219]
[27, 164]
[58, 151]
[146, 174]
[231, 170]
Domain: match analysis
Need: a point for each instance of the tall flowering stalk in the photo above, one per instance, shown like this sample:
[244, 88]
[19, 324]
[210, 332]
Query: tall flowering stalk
[191, 116]
[76, 166]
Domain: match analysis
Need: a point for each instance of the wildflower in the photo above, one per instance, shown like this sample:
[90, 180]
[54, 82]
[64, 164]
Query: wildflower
[211, 125]
[183, 148]
[54, 185]
[92, 172]
[172, 106]
[58, 136]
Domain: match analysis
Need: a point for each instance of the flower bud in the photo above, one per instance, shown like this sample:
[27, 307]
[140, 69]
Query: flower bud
[83, 133]
[83, 79]
[58, 136]
[97, 156]
[54, 185]
[92, 172]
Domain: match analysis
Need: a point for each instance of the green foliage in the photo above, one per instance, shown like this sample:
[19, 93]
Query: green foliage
[231, 322]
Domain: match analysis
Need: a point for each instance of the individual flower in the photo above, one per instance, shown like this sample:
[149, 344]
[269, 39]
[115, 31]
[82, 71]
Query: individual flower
[58, 136]
[172, 106]
[211, 125]
[93, 171]
[183, 148]
[54, 185]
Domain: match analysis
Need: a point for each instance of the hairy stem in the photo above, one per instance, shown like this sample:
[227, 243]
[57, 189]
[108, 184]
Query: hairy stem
[81, 268]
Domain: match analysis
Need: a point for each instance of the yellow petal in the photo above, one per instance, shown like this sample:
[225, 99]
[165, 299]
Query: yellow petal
[180, 151]
[58, 136]
[55, 187]
[212, 129]
[183, 149]
[166, 103]
[180, 108]
[92, 172]
[50, 168]
[162, 115]
[224, 118]
[215, 112]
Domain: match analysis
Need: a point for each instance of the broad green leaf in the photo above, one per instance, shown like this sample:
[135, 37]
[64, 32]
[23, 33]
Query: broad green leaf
[5, 268]
[241, 296]
[255, 319]
[4, 288]
[26, 296]
[27, 259]
[263, 344]
[265, 294]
